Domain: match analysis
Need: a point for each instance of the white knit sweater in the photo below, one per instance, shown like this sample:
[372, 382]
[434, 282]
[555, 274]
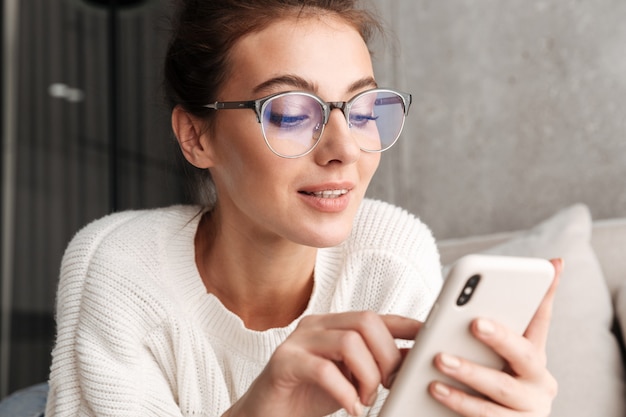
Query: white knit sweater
[138, 335]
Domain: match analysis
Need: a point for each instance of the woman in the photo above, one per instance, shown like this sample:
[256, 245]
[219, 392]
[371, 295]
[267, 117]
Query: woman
[284, 293]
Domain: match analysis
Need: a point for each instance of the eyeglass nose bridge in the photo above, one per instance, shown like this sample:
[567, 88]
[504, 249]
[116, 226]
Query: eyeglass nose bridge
[344, 106]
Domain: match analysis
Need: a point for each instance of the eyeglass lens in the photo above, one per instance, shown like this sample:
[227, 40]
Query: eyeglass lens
[292, 123]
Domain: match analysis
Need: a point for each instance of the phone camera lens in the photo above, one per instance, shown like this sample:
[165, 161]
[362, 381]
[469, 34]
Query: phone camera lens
[468, 290]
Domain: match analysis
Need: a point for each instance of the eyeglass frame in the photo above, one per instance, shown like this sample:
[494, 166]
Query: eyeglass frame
[258, 106]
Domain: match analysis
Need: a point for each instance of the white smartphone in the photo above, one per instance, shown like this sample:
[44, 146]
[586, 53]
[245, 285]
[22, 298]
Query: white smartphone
[505, 289]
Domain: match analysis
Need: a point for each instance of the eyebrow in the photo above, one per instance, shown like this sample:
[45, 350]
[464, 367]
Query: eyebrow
[302, 84]
[363, 83]
[285, 80]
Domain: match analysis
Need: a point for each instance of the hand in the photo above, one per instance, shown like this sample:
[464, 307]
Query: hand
[329, 362]
[525, 388]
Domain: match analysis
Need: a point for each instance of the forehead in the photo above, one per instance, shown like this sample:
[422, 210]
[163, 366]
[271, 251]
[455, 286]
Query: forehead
[324, 50]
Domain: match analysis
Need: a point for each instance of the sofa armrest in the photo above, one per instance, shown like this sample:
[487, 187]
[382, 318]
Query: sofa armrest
[609, 243]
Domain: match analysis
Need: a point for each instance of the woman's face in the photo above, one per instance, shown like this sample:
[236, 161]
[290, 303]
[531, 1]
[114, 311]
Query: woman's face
[311, 200]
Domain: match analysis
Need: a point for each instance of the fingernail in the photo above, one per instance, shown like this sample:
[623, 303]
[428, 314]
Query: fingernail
[441, 389]
[372, 399]
[485, 327]
[358, 409]
[450, 361]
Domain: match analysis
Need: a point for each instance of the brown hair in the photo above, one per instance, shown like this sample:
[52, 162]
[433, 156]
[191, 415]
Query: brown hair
[204, 32]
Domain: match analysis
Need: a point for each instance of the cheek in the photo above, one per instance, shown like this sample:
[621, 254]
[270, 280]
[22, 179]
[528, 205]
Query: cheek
[237, 140]
[244, 163]
[368, 165]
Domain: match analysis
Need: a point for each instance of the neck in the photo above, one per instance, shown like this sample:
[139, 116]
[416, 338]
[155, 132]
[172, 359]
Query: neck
[266, 286]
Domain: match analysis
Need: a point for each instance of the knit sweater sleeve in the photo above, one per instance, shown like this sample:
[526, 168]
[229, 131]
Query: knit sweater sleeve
[100, 365]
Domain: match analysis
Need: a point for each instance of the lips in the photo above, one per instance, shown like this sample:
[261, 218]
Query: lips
[326, 193]
[329, 198]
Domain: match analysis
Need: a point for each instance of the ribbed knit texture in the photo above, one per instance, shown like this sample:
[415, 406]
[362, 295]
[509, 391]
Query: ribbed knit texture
[138, 335]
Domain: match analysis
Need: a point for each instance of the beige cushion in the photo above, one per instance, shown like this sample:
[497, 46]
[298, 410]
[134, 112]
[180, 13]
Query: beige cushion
[583, 354]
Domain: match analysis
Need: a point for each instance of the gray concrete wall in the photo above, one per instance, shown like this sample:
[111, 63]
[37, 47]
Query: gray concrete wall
[519, 110]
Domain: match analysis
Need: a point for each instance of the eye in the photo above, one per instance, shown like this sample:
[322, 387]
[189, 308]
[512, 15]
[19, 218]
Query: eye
[361, 120]
[282, 121]
[363, 111]
[293, 111]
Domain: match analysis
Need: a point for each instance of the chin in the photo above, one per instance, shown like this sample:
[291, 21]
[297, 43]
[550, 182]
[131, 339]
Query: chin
[328, 236]
[323, 230]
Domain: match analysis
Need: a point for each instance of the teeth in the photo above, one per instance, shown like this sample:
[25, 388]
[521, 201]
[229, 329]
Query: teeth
[330, 193]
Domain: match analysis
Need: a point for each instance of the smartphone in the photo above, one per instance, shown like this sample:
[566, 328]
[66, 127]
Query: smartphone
[502, 288]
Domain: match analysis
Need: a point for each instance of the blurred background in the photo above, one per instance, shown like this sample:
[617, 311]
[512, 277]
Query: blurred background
[85, 133]
[518, 111]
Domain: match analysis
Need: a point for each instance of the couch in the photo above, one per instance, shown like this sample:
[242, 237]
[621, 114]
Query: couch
[585, 346]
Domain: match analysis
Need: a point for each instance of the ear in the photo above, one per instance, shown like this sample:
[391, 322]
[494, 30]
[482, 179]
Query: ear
[192, 138]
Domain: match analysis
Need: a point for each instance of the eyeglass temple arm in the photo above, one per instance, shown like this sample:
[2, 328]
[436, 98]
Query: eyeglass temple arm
[236, 105]
[408, 99]
[219, 105]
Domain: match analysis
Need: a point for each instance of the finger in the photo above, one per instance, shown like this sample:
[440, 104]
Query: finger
[378, 332]
[522, 356]
[494, 384]
[359, 362]
[324, 374]
[347, 350]
[537, 330]
[402, 327]
[465, 404]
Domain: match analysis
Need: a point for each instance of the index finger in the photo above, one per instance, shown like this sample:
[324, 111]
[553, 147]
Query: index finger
[378, 332]
[402, 327]
[537, 331]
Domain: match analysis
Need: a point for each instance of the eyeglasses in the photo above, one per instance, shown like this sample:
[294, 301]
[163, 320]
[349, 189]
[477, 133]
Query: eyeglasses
[293, 122]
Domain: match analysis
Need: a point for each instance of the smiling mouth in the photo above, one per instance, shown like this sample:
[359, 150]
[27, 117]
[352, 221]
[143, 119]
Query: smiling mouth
[326, 193]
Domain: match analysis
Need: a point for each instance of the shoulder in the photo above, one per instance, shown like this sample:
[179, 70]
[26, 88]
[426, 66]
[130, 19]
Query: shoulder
[115, 269]
[142, 222]
[131, 230]
[127, 247]
[135, 232]
[382, 225]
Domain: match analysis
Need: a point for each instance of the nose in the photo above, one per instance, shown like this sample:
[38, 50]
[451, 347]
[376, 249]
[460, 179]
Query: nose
[337, 143]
